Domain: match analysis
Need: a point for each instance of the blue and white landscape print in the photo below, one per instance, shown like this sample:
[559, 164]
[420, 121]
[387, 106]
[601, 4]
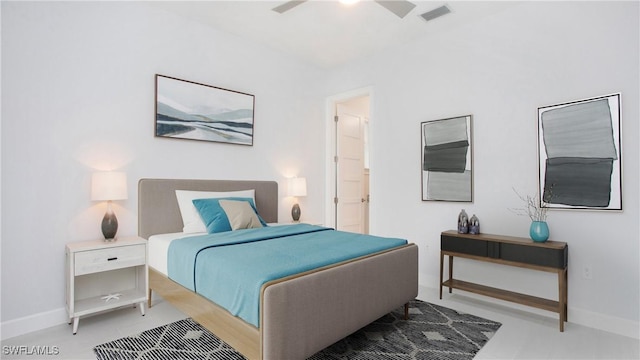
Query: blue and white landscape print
[188, 110]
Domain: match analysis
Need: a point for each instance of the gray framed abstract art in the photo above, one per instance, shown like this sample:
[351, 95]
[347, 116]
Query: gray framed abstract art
[189, 110]
[447, 161]
[580, 165]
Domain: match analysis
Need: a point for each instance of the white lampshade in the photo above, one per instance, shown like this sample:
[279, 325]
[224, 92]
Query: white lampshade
[108, 186]
[298, 186]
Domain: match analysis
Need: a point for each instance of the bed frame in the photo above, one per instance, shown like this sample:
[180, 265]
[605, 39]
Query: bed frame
[300, 314]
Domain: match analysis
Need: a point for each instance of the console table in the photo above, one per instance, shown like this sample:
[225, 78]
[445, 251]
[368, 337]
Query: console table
[549, 256]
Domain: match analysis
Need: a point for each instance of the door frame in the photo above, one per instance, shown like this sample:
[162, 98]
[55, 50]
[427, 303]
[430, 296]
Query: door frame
[330, 146]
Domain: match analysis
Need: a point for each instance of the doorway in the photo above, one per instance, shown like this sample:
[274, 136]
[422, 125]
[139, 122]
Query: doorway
[350, 175]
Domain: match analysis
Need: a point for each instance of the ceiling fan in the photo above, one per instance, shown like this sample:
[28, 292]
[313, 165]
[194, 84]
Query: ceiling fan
[399, 7]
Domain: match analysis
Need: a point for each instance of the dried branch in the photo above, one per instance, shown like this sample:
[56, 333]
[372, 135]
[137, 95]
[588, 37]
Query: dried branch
[532, 208]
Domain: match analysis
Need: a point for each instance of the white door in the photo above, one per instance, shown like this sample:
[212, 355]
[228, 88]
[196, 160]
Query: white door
[349, 170]
[366, 203]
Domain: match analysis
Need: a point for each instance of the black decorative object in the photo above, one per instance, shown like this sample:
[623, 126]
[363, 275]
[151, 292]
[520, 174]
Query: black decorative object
[463, 222]
[295, 212]
[474, 225]
[109, 224]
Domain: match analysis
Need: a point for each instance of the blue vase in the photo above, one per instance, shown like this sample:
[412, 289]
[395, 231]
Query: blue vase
[539, 231]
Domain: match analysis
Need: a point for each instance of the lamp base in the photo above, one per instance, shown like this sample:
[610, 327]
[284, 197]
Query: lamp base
[109, 225]
[295, 212]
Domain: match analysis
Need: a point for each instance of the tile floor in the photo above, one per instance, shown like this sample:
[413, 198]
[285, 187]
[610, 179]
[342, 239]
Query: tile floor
[523, 335]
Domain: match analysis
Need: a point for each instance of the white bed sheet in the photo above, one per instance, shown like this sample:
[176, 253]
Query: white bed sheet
[159, 247]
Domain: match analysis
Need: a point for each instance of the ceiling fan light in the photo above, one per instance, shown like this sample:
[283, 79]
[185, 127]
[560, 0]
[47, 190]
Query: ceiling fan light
[348, 2]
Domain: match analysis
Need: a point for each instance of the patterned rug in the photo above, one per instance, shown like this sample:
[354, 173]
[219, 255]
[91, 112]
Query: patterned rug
[432, 332]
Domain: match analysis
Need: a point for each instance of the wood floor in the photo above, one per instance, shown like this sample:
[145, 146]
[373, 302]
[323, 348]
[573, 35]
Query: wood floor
[523, 335]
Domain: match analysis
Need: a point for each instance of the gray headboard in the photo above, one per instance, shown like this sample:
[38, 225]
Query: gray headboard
[158, 211]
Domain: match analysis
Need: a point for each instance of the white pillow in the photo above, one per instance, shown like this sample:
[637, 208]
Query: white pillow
[191, 220]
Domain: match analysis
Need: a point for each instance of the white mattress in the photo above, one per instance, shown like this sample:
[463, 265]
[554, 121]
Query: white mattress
[159, 246]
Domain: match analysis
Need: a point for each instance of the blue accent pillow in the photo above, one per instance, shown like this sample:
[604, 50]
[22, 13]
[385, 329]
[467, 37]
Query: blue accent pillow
[213, 215]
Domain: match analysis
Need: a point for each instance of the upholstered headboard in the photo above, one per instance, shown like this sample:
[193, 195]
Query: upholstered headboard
[158, 211]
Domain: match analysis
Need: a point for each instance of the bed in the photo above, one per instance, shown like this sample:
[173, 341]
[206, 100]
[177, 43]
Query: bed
[300, 314]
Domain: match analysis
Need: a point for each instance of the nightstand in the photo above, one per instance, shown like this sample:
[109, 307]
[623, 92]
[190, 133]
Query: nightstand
[105, 275]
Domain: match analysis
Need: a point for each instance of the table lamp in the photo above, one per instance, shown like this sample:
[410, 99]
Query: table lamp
[109, 186]
[297, 187]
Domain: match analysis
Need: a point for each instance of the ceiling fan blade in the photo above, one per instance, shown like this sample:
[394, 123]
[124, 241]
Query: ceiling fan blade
[287, 6]
[399, 7]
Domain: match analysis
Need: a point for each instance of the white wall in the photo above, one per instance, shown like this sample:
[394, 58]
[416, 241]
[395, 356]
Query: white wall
[78, 95]
[501, 69]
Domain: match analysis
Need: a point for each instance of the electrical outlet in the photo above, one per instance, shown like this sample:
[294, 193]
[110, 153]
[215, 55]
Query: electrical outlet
[587, 272]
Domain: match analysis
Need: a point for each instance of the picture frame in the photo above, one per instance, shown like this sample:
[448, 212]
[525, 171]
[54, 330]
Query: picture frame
[447, 159]
[190, 110]
[579, 154]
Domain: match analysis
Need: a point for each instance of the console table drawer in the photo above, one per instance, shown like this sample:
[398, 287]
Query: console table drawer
[554, 258]
[515, 250]
[464, 246]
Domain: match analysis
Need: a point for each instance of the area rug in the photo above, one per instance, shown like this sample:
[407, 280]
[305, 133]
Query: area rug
[432, 332]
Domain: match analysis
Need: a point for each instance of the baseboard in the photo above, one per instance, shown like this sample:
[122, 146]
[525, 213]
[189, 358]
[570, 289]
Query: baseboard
[607, 323]
[31, 323]
[624, 327]
[578, 316]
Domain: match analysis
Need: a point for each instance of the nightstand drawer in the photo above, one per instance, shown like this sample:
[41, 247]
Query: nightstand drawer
[91, 261]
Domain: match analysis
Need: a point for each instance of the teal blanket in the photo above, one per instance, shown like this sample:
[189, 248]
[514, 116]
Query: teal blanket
[230, 268]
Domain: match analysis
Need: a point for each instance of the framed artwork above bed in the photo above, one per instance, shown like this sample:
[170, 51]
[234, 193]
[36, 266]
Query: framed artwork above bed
[194, 111]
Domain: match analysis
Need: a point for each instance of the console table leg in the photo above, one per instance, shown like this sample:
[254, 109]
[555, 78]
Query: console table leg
[562, 297]
[566, 294]
[441, 271]
[450, 271]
